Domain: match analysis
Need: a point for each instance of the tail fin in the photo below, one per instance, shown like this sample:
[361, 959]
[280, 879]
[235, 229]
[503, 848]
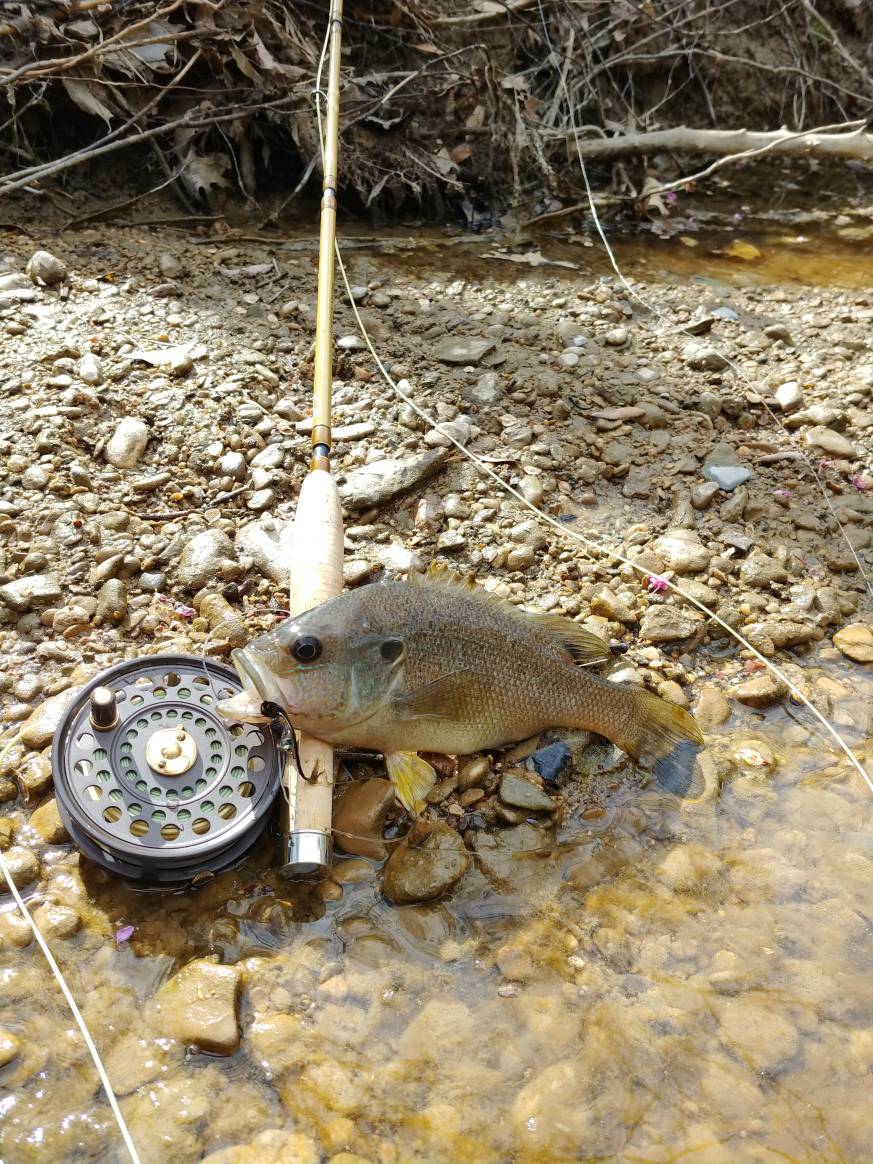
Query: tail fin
[666, 738]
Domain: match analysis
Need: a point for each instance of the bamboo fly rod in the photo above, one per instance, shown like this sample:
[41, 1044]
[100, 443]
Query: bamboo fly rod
[316, 546]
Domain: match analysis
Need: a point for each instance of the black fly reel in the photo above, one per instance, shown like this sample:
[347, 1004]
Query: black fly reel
[151, 782]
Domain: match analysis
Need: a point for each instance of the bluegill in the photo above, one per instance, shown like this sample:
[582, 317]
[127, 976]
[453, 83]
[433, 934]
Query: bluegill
[436, 664]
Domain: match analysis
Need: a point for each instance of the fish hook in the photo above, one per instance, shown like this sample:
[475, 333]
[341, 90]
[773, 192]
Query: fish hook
[284, 735]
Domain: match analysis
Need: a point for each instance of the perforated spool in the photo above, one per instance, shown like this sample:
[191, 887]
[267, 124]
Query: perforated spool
[146, 824]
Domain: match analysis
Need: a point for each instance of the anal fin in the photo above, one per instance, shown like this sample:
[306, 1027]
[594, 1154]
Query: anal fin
[411, 776]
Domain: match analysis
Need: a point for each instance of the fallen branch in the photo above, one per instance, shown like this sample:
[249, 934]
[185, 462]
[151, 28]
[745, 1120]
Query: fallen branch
[855, 144]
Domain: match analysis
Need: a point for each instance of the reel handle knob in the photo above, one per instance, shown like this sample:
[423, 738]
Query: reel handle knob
[104, 711]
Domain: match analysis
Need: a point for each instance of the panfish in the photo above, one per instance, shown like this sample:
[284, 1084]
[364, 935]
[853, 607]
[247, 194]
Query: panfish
[436, 664]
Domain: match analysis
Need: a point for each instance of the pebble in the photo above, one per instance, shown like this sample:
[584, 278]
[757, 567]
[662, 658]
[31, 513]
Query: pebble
[359, 815]
[426, 869]
[10, 1047]
[711, 708]
[723, 467]
[57, 921]
[91, 369]
[23, 868]
[668, 624]
[485, 391]
[762, 691]
[702, 495]
[517, 789]
[46, 820]
[473, 773]
[690, 868]
[762, 571]
[262, 542]
[111, 602]
[43, 267]
[202, 557]
[682, 551]
[198, 1005]
[462, 350]
[33, 590]
[261, 499]
[226, 623]
[789, 395]
[379, 482]
[703, 357]
[127, 444]
[38, 729]
[827, 441]
[758, 1033]
[855, 641]
[552, 760]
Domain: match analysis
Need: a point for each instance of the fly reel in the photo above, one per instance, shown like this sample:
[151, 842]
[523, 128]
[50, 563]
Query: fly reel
[151, 782]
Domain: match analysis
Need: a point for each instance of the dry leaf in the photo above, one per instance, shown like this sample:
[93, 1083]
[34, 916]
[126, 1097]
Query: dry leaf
[201, 172]
[86, 98]
[461, 153]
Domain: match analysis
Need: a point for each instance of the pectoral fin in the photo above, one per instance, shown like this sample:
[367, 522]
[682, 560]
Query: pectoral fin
[411, 776]
[449, 697]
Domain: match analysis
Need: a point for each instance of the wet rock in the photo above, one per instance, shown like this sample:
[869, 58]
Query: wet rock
[424, 869]
[703, 357]
[359, 816]
[32, 590]
[762, 691]
[127, 444]
[377, 483]
[690, 868]
[462, 349]
[855, 641]
[10, 1047]
[549, 762]
[825, 440]
[134, 1061]
[606, 602]
[760, 570]
[44, 268]
[37, 730]
[551, 1119]
[758, 1033]
[518, 790]
[199, 1005]
[202, 557]
[23, 868]
[46, 820]
[57, 921]
[682, 551]
[668, 624]
[712, 708]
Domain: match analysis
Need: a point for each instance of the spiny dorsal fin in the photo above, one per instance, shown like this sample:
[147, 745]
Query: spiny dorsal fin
[584, 647]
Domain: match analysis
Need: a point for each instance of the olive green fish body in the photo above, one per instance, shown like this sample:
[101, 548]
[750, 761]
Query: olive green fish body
[441, 666]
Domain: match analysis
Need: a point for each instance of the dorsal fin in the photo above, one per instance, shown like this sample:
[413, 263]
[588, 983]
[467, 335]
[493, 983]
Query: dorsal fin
[584, 647]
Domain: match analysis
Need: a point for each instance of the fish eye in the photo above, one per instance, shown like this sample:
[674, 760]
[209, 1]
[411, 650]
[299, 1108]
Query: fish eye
[307, 649]
[391, 650]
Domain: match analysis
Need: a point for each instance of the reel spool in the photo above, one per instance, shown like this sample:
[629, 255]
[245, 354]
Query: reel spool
[151, 782]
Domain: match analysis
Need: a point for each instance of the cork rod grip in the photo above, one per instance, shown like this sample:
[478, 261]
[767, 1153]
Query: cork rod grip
[316, 571]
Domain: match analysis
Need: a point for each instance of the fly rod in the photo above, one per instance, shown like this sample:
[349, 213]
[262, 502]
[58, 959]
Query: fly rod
[316, 542]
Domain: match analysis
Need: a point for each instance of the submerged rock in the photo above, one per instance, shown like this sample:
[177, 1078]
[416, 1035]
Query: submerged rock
[517, 789]
[198, 1005]
[424, 868]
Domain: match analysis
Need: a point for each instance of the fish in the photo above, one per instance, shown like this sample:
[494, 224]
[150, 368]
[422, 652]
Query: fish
[437, 664]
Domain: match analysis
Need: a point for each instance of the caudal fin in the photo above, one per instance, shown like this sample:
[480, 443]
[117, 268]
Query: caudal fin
[412, 778]
[665, 738]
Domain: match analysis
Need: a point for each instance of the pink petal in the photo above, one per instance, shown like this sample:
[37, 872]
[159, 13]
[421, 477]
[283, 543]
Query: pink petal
[124, 934]
[658, 583]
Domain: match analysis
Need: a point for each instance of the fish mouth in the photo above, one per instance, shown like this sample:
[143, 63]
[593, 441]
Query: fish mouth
[260, 686]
